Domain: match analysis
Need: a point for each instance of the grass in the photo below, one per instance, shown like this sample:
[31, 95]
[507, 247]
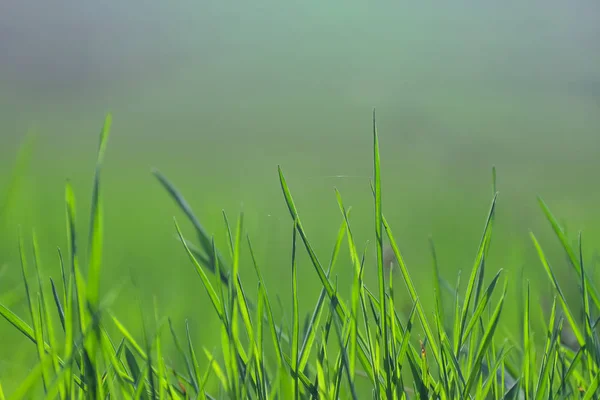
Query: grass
[353, 347]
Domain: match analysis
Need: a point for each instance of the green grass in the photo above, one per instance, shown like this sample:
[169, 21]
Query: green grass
[355, 347]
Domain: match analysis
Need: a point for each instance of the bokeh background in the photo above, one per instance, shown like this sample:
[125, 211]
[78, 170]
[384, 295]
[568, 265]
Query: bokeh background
[217, 94]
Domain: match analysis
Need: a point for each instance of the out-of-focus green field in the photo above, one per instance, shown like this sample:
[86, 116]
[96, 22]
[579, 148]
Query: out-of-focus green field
[219, 136]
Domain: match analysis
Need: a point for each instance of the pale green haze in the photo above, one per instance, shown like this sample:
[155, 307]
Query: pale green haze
[217, 94]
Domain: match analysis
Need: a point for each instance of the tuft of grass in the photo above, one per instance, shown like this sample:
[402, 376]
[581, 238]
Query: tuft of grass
[356, 347]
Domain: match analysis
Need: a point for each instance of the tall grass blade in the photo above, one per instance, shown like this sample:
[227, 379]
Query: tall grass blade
[485, 343]
[477, 265]
[379, 249]
[33, 313]
[79, 288]
[527, 381]
[295, 319]
[97, 222]
[45, 319]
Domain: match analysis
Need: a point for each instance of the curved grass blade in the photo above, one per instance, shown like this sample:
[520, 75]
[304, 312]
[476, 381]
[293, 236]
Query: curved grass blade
[208, 262]
[209, 288]
[315, 261]
[196, 366]
[413, 294]
[191, 374]
[569, 250]
[203, 237]
[556, 286]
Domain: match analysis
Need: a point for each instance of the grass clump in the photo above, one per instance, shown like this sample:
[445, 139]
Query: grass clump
[349, 348]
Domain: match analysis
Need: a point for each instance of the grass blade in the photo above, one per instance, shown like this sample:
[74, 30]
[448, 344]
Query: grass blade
[36, 321]
[568, 249]
[485, 343]
[556, 286]
[379, 249]
[197, 377]
[97, 222]
[310, 336]
[437, 280]
[206, 282]
[295, 320]
[203, 237]
[191, 373]
[475, 271]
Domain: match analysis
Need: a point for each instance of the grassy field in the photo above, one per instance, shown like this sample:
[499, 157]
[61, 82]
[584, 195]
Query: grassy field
[137, 293]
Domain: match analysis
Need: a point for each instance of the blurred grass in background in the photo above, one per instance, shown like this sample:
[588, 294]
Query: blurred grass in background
[229, 92]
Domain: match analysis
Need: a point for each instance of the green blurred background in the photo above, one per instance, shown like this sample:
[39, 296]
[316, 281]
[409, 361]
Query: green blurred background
[217, 94]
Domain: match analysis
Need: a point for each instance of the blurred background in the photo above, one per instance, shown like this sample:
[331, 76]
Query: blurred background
[217, 94]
